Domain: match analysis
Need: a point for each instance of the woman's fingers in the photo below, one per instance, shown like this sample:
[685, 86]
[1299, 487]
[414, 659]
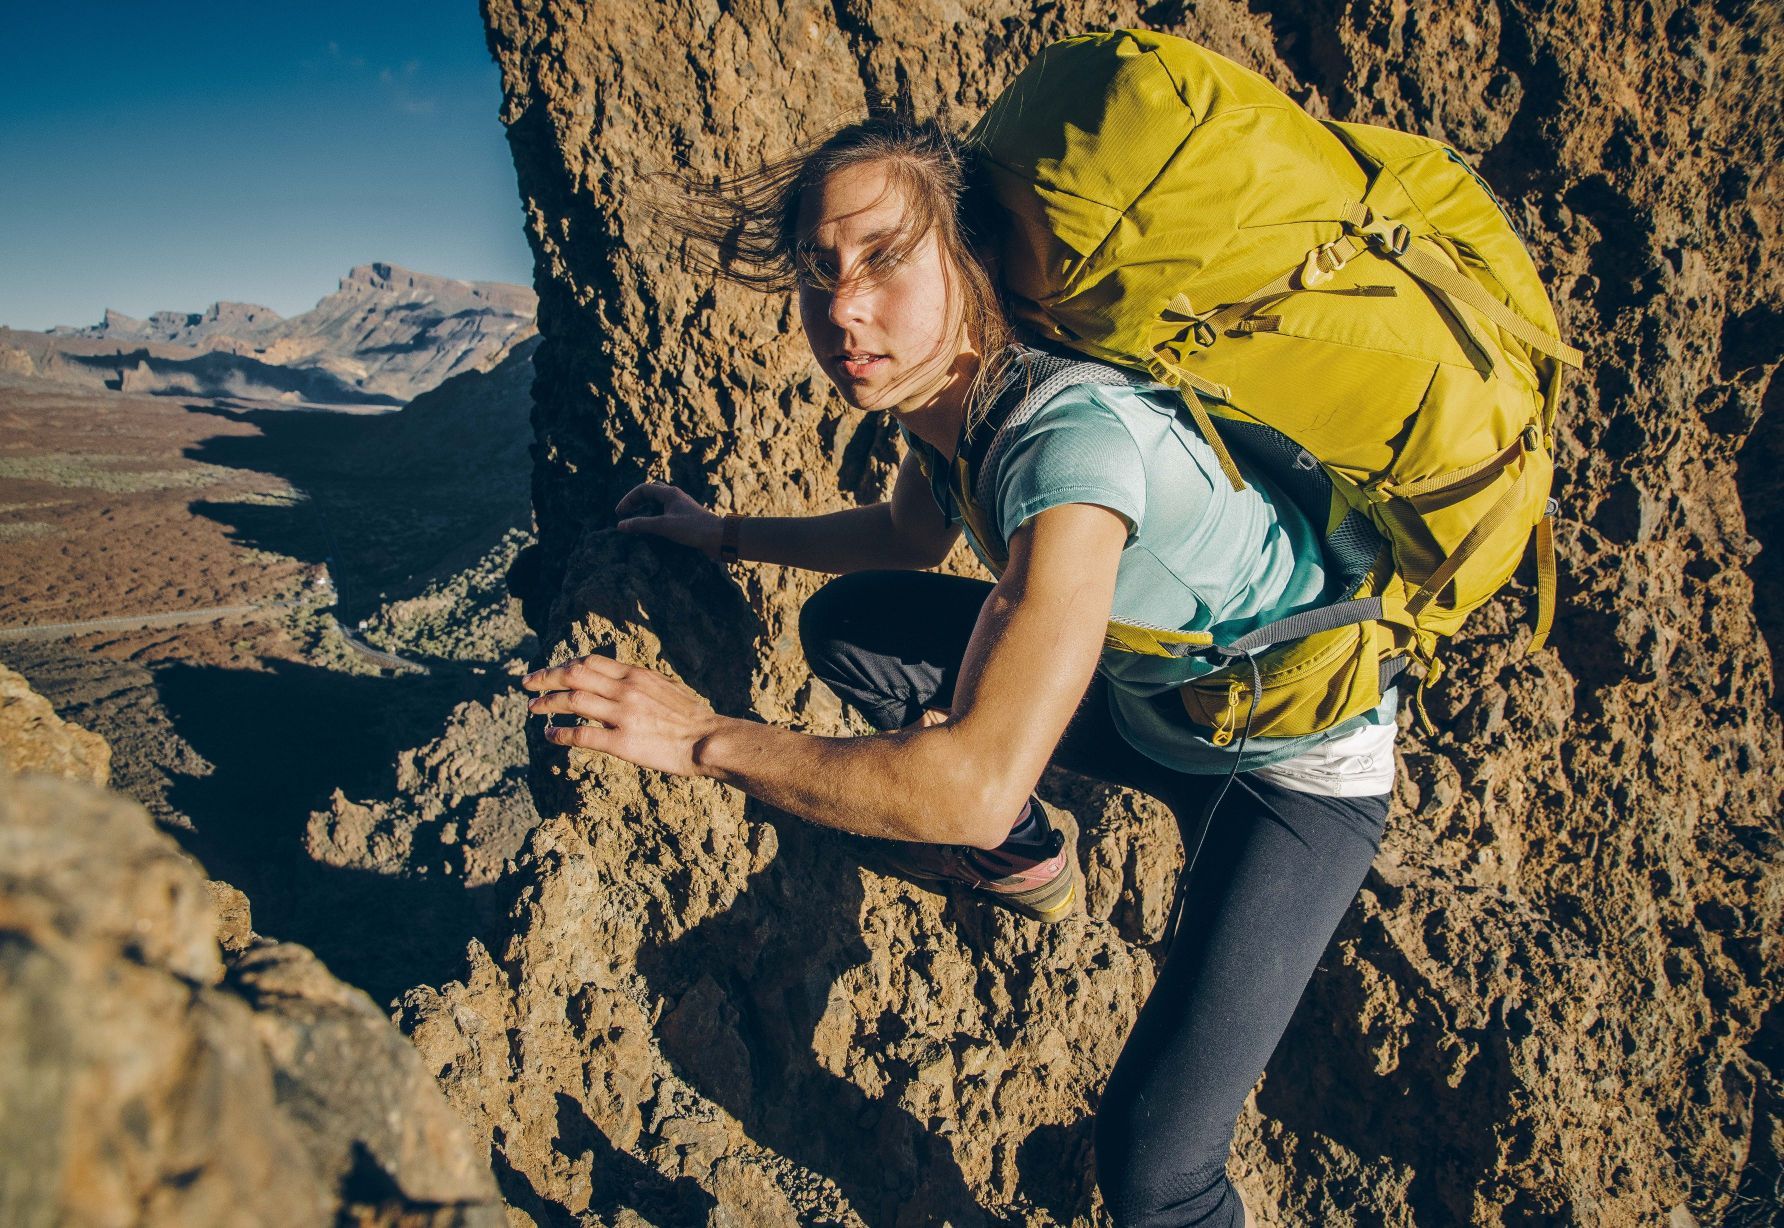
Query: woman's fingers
[590, 737]
[587, 704]
[594, 673]
[638, 494]
[660, 493]
[644, 717]
[671, 517]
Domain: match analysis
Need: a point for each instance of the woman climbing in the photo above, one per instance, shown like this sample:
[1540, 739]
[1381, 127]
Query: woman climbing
[1106, 504]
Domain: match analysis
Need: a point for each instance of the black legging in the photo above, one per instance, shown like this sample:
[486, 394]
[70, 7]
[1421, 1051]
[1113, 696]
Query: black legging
[1274, 878]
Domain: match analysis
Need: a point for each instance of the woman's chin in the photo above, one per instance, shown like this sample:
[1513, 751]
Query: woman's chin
[864, 395]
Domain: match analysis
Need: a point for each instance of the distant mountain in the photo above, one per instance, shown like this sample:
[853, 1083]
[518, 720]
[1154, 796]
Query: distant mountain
[386, 335]
[192, 328]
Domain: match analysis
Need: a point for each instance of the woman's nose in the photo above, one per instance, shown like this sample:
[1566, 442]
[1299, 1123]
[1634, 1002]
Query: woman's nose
[848, 305]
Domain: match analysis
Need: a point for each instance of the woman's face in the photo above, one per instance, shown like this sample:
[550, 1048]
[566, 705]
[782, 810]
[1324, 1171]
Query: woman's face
[887, 334]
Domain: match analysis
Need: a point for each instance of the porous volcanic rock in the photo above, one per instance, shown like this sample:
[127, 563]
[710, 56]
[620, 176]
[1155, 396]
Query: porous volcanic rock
[34, 739]
[143, 1080]
[460, 806]
[1556, 998]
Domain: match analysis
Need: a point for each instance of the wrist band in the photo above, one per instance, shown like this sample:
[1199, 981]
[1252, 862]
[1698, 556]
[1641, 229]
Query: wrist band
[733, 523]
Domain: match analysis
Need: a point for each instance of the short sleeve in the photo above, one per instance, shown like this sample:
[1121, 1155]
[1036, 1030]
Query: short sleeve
[1074, 450]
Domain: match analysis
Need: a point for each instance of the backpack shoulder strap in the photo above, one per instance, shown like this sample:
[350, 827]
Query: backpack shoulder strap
[1036, 377]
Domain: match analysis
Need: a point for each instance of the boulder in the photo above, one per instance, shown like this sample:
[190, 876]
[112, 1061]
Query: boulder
[144, 1080]
[1556, 998]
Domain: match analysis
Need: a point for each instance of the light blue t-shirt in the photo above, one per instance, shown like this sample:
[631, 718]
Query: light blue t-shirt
[1200, 556]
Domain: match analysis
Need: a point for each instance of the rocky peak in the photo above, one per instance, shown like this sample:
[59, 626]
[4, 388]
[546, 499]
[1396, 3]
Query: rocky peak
[386, 333]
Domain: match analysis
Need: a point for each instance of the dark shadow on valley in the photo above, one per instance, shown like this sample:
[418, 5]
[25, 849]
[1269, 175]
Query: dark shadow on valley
[281, 741]
[391, 500]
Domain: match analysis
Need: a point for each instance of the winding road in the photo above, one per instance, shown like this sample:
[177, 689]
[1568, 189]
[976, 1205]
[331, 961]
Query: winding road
[178, 618]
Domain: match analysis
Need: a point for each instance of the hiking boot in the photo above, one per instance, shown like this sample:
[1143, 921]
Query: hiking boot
[1039, 881]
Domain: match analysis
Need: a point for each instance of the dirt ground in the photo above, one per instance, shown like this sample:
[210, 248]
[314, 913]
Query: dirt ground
[105, 509]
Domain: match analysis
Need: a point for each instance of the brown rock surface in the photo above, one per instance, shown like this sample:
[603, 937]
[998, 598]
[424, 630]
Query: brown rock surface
[459, 807]
[144, 1081]
[1556, 999]
[34, 739]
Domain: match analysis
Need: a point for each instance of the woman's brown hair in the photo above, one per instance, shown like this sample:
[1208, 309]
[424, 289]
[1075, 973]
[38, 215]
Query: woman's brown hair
[745, 229]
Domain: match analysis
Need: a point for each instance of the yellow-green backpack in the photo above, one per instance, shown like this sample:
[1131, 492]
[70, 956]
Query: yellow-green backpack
[1344, 305]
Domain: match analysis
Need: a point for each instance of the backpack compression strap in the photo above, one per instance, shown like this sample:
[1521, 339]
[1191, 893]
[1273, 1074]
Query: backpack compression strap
[1392, 240]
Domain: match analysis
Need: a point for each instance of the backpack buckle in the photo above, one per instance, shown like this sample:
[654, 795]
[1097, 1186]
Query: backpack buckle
[1387, 236]
[1321, 263]
[1374, 493]
[1199, 327]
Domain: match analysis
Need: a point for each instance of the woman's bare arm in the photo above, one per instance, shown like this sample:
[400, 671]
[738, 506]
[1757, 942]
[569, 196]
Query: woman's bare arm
[906, 532]
[1026, 667]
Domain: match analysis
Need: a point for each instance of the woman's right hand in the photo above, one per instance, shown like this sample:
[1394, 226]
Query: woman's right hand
[678, 517]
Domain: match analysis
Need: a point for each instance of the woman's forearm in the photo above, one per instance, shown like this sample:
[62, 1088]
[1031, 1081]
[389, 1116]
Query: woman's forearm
[910, 784]
[855, 539]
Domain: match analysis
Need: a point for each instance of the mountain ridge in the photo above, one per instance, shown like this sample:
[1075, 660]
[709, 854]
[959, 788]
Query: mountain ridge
[386, 334]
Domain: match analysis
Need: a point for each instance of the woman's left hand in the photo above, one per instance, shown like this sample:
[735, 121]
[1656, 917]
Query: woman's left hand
[644, 717]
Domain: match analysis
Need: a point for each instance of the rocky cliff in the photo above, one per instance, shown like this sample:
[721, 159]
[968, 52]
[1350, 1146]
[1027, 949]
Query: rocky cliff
[1555, 999]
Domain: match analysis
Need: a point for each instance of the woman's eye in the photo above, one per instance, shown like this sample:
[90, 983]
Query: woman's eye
[815, 272]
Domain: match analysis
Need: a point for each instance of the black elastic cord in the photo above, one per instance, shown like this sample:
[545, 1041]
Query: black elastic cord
[1192, 847]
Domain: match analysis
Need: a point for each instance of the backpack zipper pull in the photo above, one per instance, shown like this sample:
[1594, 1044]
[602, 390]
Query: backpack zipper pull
[1229, 716]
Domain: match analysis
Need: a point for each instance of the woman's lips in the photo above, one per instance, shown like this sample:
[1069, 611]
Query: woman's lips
[860, 366]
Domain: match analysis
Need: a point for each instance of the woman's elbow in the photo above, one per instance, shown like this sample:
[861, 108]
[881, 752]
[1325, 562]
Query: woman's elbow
[996, 804]
[923, 555]
[925, 549]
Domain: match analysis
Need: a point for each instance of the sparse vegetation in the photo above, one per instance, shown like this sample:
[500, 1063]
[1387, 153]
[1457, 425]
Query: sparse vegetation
[98, 471]
[468, 616]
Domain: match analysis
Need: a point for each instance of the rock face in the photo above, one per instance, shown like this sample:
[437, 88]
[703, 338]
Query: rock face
[387, 334]
[34, 739]
[392, 331]
[144, 1080]
[460, 807]
[1556, 998]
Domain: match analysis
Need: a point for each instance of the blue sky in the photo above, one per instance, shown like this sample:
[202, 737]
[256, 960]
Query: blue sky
[166, 155]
